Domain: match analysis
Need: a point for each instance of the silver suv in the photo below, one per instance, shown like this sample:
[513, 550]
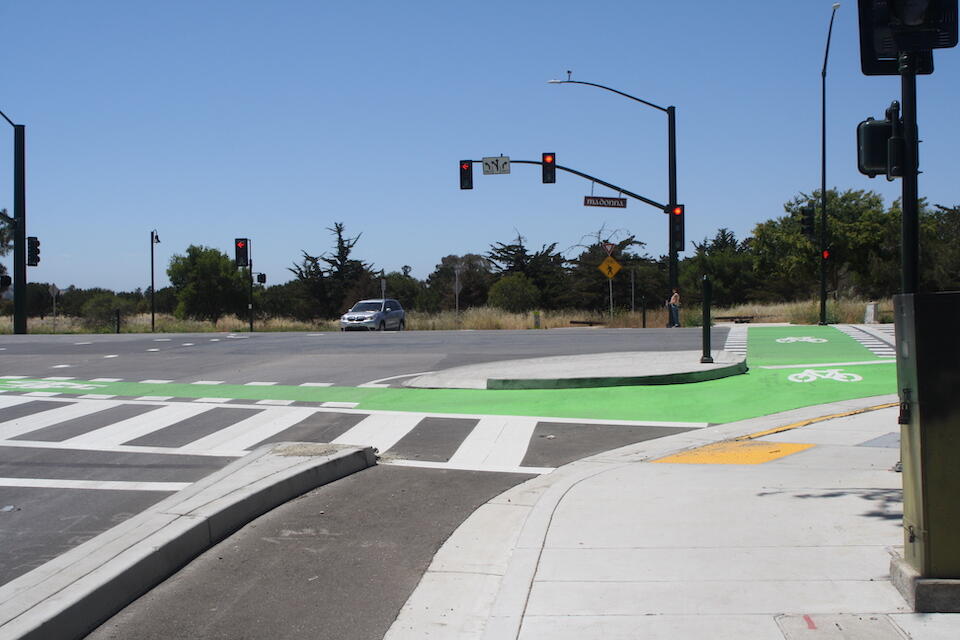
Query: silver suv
[374, 315]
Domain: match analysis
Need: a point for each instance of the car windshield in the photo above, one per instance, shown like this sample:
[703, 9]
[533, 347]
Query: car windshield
[367, 306]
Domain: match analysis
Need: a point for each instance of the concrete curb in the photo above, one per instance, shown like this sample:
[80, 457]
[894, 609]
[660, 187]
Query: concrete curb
[73, 594]
[617, 381]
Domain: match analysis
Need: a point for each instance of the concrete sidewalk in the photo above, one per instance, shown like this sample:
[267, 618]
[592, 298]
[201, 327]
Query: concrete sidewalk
[741, 544]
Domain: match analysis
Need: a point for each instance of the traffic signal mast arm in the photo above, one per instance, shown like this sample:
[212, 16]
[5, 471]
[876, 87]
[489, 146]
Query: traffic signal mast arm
[648, 201]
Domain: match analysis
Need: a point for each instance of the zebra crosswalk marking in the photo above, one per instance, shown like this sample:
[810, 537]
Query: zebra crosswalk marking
[243, 435]
[137, 427]
[495, 441]
[380, 430]
[37, 421]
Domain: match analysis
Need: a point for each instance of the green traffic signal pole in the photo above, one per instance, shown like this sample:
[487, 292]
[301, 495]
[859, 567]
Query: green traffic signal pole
[671, 112]
[19, 228]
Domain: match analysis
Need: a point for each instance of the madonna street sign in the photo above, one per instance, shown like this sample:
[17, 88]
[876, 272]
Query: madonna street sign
[596, 201]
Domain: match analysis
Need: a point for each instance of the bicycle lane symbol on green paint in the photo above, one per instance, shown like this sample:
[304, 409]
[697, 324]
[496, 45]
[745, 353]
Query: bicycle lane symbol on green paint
[804, 345]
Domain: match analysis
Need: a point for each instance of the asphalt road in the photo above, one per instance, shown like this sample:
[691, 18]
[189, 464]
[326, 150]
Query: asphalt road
[343, 359]
[337, 563]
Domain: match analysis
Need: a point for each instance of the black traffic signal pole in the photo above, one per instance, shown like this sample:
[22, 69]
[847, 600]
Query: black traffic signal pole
[824, 238]
[648, 201]
[671, 112]
[20, 227]
[910, 222]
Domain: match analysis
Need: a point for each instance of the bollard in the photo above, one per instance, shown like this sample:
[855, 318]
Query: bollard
[707, 290]
[117, 311]
[643, 310]
[536, 319]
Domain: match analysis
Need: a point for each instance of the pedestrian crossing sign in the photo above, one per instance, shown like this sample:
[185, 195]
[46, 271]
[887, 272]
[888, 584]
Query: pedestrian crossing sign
[609, 267]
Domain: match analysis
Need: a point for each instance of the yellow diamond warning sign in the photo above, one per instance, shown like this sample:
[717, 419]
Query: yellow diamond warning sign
[609, 267]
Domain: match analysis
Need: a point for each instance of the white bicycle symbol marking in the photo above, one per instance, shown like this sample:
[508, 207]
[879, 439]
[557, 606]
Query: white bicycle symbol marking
[801, 339]
[809, 375]
[47, 384]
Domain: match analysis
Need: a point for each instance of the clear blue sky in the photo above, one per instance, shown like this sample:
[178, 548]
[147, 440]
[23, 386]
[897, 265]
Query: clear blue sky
[220, 119]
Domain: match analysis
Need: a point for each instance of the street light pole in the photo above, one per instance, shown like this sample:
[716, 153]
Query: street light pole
[671, 112]
[20, 227]
[154, 239]
[823, 172]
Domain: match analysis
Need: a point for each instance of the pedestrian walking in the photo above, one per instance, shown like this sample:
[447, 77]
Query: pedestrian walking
[673, 306]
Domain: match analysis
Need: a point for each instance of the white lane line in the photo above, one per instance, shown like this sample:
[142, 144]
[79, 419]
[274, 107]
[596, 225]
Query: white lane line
[208, 382]
[79, 343]
[187, 344]
[213, 400]
[259, 384]
[313, 384]
[58, 378]
[248, 432]
[33, 422]
[61, 366]
[382, 380]
[12, 401]
[162, 339]
[110, 485]
[821, 365]
[43, 394]
[380, 431]
[156, 381]
[13, 377]
[370, 385]
[32, 444]
[154, 398]
[496, 442]
[106, 379]
[137, 426]
[275, 403]
[214, 339]
[97, 396]
[149, 350]
[339, 405]
[112, 356]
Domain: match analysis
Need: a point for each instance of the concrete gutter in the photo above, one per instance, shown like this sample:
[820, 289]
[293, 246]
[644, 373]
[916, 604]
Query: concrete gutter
[74, 593]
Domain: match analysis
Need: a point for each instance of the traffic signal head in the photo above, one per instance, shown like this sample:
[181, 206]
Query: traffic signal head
[33, 251]
[676, 213]
[242, 248]
[466, 174]
[549, 165]
[825, 254]
[808, 223]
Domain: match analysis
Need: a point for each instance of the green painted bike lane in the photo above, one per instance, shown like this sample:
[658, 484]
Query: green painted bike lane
[761, 391]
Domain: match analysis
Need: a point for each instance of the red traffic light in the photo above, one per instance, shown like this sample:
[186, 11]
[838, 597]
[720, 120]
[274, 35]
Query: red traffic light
[241, 244]
[548, 158]
[826, 254]
[677, 210]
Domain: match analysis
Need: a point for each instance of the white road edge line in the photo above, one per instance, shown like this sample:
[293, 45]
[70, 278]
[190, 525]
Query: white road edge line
[111, 485]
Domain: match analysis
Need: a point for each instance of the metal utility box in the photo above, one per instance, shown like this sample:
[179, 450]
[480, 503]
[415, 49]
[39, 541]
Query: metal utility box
[928, 382]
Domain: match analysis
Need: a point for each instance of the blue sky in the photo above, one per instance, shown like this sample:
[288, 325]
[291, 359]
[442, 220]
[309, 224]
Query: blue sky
[213, 120]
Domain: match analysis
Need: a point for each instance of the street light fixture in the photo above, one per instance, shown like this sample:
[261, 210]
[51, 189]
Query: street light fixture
[823, 173]
[671, 112]
[154, 239]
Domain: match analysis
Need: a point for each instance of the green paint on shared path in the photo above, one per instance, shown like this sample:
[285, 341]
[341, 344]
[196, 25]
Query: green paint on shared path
[756, 393]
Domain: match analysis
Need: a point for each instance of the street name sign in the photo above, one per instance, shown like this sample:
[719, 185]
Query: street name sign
[609, 267]
[597, 201]
[496, 165]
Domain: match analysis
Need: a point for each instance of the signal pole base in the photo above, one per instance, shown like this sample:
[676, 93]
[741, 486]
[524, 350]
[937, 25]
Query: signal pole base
[924, 595]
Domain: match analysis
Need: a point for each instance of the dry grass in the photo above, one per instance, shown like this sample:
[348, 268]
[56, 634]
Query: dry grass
[805, 312]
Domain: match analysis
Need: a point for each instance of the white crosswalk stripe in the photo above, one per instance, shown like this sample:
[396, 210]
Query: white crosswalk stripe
[878, 339]
[490, 443]
[736, 340]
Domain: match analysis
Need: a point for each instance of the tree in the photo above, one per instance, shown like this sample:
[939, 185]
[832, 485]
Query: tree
[588, 288]
[546, 269]
[207, 283]
[473, 274]
[513, 292]
[729, 264]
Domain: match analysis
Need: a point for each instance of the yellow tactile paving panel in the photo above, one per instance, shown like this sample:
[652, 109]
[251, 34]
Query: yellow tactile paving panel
[736, 452]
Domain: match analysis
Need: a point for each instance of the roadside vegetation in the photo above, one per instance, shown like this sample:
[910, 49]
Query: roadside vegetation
[772, 276]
